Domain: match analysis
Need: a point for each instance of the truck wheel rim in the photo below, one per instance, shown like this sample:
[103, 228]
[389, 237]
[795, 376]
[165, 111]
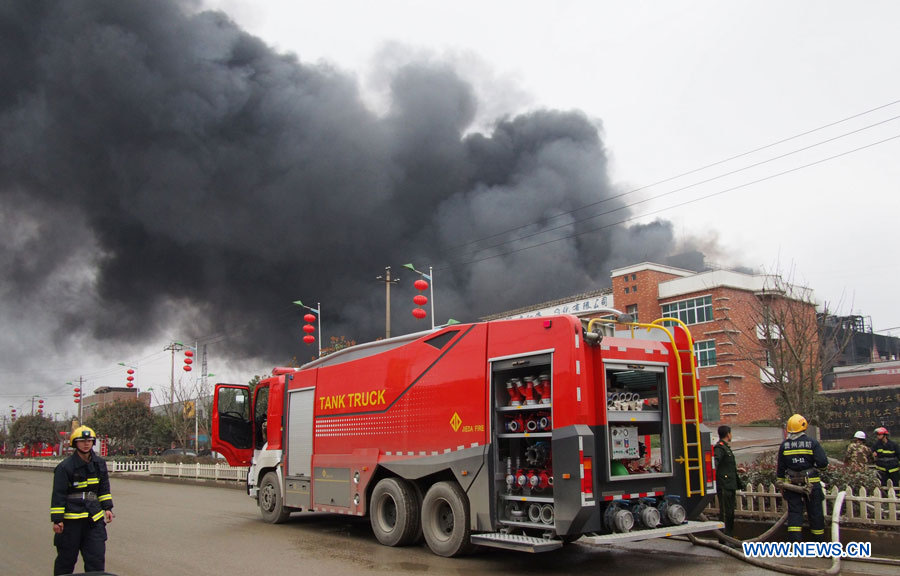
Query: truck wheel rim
[268, 497]
[444, 518]
[388, 513]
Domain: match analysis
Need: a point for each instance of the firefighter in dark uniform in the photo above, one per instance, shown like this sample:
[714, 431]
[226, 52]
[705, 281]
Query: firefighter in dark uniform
[799, 461]
[886, 455]
[81, 506]
[728, 482]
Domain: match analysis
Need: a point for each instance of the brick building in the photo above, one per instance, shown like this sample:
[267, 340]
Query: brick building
[107, 395]
[718, 306]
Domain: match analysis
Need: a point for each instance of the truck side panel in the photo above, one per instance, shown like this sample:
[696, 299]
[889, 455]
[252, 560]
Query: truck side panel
[417, 400]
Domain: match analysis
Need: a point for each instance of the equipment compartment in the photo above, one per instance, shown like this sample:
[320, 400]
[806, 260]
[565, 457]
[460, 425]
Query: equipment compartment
[523, 424]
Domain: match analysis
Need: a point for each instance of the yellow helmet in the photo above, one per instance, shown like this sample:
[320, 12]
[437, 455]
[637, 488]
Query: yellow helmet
[80, 433]
[796, 423]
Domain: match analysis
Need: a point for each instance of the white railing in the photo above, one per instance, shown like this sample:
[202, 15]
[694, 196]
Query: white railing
[881, 507]
[199, 471]
[167, 469]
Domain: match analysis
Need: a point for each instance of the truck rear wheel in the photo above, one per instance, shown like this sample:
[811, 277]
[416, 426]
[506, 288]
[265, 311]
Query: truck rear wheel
[271, 505]
[394, 512]
[445, 520]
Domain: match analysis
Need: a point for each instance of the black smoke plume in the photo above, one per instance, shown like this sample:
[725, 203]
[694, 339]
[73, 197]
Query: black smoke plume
[164, 173]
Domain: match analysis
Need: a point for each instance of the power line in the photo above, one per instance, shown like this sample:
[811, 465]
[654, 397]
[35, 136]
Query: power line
[681, 189]
[685, 203]
[689, 172]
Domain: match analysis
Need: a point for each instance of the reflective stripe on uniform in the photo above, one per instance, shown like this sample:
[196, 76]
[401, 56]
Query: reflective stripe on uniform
[105, 497]
[85, 483]
[97, 516]
[59, 510]
[798, 451]
[75, 515]
[795, 528]
[818, 532]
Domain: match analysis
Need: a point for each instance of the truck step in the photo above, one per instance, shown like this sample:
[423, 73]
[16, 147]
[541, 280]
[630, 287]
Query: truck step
[516, 542]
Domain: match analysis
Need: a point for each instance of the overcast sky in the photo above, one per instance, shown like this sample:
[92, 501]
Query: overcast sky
[641, 92]
[677, 86]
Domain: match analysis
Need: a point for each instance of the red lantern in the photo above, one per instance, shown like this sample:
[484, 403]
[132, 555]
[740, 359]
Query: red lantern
[420, 300]
[187, 368]
[188, 361]
[309, 328]
[309, 338]
[309, 318]
[420, 284]
[188, 353]
[130, 371]
[78, 389]
[130, 378]
[130, 385]
[76, 394]
[419, 313]
[77, 401]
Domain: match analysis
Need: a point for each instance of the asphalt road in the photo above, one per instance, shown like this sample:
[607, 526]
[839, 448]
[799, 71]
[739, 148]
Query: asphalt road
[182, 529]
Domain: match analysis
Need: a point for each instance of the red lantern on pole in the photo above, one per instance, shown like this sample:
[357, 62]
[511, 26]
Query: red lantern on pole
[187, 368]
[130, 371]
[77, 389]
[77, 401]
[309, 328]
[130, 384]
[420, 299]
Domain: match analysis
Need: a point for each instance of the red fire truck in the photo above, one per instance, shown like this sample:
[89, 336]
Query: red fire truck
[522, 434]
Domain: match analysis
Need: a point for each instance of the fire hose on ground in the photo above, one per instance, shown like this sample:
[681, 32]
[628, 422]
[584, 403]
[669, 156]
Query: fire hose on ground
[786, 569]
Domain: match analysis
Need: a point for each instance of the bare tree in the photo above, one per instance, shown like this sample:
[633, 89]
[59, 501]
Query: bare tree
[782, 341]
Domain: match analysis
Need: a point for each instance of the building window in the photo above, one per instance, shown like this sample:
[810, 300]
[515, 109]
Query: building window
[705, 352]
[632, 309]
[634, 288]
[693, 311]
[634, 276]
[709, 397]
[626, 289]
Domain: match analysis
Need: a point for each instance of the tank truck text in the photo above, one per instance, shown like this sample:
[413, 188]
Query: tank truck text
[352, 400]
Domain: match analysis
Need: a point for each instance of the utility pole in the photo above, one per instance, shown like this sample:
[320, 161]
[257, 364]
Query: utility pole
[387, 296]
[174, 346]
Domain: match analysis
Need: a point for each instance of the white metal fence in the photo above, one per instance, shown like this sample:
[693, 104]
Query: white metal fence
[195, 471]
[881, 507]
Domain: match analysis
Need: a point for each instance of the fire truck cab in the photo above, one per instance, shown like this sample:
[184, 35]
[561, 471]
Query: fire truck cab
[521, 434]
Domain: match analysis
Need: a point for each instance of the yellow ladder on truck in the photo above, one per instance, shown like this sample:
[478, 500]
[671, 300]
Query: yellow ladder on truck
[690, 409]
[692, 449]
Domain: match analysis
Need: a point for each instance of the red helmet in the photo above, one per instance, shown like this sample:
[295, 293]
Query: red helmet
[882, 430]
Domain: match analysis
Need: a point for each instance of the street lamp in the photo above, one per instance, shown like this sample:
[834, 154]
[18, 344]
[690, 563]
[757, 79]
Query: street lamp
[430, 278]
[318, 312]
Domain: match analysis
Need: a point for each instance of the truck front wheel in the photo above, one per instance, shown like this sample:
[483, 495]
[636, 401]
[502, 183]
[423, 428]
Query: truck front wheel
[445, 520]
[394, 512]
[271, 505]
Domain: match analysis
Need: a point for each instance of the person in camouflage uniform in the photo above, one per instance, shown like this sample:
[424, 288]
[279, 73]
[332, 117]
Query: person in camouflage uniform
[858, 454]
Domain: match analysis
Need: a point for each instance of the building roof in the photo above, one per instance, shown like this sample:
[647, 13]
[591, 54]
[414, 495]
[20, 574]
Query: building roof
[550, 304]
[654, 267]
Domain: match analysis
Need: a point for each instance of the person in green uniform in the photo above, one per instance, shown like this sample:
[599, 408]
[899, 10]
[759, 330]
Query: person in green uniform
[727, 480]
